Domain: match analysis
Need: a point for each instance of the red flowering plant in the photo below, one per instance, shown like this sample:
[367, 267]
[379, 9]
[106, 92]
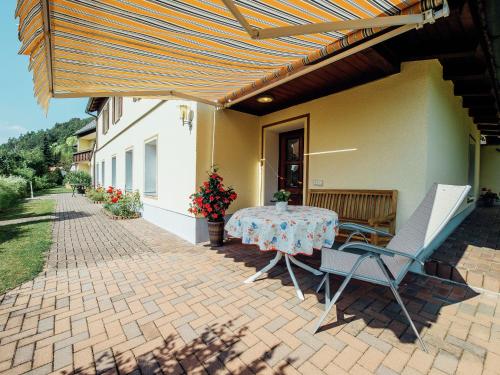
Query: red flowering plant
[127, 205]
[212, 199]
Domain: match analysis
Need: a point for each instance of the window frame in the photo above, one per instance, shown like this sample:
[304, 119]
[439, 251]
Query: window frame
[131, 188]
[117, 108]
[146, 142]
[105, 118]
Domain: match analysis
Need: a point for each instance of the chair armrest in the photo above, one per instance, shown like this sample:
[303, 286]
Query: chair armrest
[382, 219]
[378, 250]
[366, 247]
[363, 229]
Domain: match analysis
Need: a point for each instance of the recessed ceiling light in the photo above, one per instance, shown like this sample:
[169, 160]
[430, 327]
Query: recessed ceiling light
[265, 99]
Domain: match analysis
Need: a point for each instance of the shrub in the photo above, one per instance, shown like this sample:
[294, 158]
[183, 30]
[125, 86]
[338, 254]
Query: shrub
[12, 188]
[55, 177]
[127, 205]
[42, 183]
[78, 178]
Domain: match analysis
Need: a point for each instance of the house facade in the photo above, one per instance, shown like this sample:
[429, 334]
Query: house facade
[348, 139]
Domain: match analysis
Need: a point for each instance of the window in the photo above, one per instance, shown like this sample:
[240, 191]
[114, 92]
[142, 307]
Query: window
[113, 171]
[98, 174]
[150, 168]
[105, 119]
[117, 108]
[129, 158]
[103, 181]
[472, 163]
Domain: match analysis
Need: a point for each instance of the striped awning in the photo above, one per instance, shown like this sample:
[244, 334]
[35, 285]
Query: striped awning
[192, 48]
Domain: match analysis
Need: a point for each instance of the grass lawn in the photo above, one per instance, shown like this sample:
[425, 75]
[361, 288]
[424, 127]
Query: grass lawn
[23, 245]
[56, 190]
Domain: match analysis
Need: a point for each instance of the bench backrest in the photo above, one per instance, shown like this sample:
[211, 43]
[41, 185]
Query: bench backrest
[357, 205]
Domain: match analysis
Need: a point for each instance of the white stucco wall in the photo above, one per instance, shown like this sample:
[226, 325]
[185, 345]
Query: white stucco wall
[148, 119]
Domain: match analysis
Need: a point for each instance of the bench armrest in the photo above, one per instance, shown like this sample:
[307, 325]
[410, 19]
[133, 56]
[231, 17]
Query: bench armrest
[387, 219]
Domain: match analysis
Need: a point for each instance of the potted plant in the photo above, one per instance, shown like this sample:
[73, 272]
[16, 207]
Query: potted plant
[488, 197]
[212, 200]
[281, 198]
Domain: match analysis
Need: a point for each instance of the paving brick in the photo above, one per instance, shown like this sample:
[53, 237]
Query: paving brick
[24, 354]
[43, 356]
[323, 357]
[446, 362]
[347, 358]
[371, 359]
[63, 357]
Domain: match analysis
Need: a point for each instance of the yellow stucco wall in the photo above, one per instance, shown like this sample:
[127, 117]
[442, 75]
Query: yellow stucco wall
[84, 166]
[85, 144]
[236, 151]
[384, 122]
[408, 130]
[490, 168]
[448, 130]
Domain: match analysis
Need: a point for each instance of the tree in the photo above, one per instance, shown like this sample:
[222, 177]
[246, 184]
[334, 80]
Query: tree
[64, 152]
[39, 150]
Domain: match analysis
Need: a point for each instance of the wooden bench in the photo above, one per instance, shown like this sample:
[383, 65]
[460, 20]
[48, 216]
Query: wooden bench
[376, 208]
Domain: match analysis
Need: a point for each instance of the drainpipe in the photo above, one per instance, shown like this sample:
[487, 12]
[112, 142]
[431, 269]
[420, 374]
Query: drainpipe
[95, 143]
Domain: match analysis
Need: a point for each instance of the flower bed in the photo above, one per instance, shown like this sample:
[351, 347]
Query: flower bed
[121, 205]
[97, 195]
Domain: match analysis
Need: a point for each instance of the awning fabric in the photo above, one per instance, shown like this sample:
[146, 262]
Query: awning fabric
[91, 48]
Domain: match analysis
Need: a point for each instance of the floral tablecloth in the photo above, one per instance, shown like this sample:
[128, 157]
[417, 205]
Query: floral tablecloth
[299, 230]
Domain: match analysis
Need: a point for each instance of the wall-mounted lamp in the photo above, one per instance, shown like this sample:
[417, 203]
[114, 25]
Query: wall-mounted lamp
[186, 115]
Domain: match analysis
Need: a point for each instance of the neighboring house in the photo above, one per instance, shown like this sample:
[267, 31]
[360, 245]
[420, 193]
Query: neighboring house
[82, 158]
[344, 140]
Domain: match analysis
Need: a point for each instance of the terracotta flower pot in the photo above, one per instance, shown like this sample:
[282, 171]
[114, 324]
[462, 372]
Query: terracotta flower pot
[216, 233]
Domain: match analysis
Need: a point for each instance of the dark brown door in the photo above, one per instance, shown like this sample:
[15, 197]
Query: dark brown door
[291, 164]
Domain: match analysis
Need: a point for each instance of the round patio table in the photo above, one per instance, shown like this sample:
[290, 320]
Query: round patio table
[299, 230]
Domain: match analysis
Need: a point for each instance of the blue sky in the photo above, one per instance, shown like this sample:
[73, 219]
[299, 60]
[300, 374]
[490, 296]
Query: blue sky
[19, 111]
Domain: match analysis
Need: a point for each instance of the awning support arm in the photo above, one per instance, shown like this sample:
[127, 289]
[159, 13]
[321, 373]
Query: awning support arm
[418, 20]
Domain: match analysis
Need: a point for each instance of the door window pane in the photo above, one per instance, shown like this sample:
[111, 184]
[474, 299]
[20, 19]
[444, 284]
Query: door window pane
[292, 175]
[128, 170]
[150, 168]
[113, 171]
[293, 151]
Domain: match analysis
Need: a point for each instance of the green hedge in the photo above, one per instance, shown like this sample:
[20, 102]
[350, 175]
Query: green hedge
[12, 188]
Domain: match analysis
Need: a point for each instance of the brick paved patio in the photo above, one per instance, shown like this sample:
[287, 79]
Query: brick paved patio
[127, 297]
[472, 252]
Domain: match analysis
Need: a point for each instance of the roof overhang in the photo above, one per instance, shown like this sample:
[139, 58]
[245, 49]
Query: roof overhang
[207, 51]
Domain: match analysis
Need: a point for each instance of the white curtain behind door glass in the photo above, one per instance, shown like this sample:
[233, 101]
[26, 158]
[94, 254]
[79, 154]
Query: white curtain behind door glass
[128, 170]
[150, 168]
[113, 171]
